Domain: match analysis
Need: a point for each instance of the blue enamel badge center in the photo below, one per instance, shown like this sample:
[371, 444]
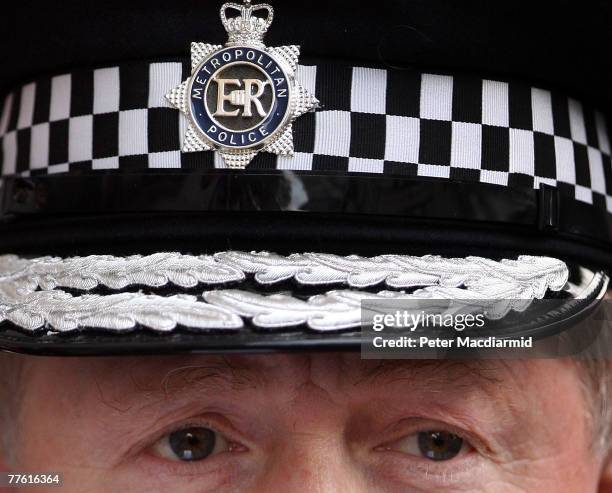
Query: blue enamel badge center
[240, 97]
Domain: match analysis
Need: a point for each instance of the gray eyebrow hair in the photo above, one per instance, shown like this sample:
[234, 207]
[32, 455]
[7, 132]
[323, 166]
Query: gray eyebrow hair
[220, 374]
[448, 372]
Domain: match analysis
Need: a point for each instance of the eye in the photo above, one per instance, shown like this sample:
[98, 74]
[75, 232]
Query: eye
[439, 445]
[191, 444]
[436, 445]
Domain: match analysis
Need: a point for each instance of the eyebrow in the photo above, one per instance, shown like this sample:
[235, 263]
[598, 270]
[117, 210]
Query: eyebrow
[130, 385]
[220, 374]
[163, 378]
[434, 372]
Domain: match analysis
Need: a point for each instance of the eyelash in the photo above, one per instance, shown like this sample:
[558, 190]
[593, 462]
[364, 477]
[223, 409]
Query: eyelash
[442, 472]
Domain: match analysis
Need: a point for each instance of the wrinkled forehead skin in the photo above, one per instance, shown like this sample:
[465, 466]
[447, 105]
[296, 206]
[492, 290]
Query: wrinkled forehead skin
[309, 422]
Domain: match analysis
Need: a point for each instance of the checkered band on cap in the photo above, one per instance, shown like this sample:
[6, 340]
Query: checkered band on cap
[377, 121]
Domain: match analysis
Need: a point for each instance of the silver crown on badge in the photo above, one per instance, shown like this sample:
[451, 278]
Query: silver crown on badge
[242, 97]
[246, 28]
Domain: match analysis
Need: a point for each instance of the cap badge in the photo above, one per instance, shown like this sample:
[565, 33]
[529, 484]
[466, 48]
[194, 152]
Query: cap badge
[242, 98]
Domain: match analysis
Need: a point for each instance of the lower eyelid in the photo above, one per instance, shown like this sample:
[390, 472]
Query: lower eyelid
[220, 465]
[416, 467]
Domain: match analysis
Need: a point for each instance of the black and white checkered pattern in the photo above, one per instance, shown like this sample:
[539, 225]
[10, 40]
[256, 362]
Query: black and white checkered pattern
[371, 121]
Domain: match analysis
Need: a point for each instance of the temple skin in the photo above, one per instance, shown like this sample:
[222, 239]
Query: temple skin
[304, 423]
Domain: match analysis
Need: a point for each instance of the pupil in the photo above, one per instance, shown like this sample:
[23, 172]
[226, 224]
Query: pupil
[192, 444]
[439, 445]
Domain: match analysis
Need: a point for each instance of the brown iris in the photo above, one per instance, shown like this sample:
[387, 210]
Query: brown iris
[192, 444]
[439, 445]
